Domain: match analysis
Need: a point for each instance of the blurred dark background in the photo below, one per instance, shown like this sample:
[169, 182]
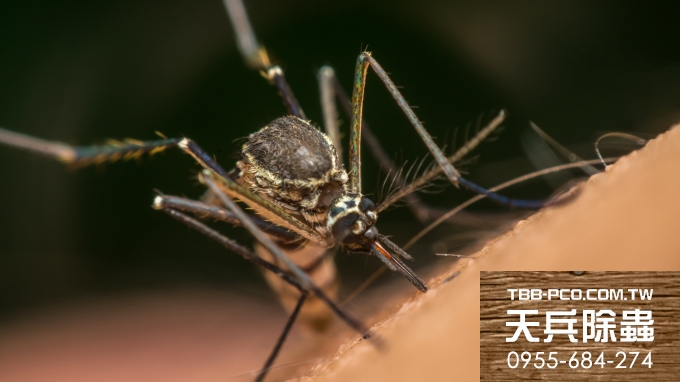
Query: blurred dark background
[81, 72]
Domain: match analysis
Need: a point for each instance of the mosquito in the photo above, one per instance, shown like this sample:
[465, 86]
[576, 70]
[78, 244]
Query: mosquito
[304, 202]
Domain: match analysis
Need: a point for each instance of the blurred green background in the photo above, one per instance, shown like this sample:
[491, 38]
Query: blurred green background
[81, 72]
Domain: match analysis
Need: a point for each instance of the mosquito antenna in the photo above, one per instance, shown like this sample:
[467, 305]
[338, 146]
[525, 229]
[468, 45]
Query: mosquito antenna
[410, 169]
[384, 183]
[420, 166]
[436, 171]
[477, 139]
[397, 178]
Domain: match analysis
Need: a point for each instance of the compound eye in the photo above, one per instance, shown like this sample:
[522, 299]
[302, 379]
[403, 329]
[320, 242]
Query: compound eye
[359, 227]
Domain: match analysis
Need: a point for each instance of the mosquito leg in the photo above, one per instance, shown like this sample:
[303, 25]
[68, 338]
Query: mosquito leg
[234, 247]
[275, 74]
[629, 137]
[202, 157]
[58, 150]
[251, 51]
[203, 210]
[373, 143]
[458, 209]
[84, 155]
[256, 56]
[269, 210]
[589, 170]
[326, 77]
[112, 151]
[363, 62]
[509, 183]
[422, 211]
[377, 150]
[207, 178]
[330, 88]
[419, 209]
[250, 256]
[285, 275]
[282, 339]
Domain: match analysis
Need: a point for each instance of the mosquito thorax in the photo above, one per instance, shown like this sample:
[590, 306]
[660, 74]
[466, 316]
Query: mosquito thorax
[295, 165]
[351, 221]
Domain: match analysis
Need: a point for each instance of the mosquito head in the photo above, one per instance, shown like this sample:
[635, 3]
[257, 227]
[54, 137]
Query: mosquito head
[351, 221]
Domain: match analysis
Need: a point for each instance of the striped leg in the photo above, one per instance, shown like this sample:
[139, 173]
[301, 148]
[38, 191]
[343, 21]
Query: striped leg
[330, 87]
[256, 56]
[111, 152]
[85, 155]
[282, 338]
[203, 210]
[305, 287]
[216, 185]
[363, 62]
